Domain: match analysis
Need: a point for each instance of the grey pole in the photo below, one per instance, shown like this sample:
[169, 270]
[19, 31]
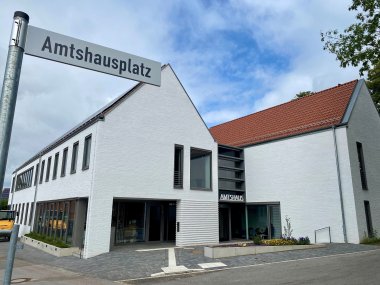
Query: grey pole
[10, 85]
[11, 256]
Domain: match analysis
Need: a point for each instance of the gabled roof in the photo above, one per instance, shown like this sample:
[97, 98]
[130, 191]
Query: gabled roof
[98, 115]
[320, 110]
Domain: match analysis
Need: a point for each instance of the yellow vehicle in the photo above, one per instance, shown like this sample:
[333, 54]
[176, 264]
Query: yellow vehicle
[7, 220]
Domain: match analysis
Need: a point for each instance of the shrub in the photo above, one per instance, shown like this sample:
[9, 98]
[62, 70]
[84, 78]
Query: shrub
[48, 240]
[373, 239]
[303, 241]
[277, 242]
[257, 240]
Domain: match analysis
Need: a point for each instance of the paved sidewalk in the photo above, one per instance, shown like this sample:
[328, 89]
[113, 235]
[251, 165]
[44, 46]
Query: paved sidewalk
[141, 261]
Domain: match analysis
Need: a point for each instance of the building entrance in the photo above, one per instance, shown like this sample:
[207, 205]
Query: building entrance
[231, 221]
[139, 221]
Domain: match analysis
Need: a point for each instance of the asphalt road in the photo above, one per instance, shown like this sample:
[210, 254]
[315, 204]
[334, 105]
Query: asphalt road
[356, 268]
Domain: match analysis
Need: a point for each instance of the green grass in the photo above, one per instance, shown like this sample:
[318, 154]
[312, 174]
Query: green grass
[371, 240]
[48, 240]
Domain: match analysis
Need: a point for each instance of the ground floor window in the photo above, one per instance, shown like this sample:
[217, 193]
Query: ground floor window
[240, 221]
[264, 221]
[57, 220]
[137, 221]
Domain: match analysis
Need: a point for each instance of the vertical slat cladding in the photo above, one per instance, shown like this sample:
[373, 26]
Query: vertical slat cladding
[198, 222]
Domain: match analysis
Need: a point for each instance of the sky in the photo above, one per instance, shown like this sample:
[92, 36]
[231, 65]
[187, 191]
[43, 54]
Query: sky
[233, 57]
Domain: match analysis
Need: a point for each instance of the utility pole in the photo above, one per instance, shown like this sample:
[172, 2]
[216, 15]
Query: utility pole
[10, 85]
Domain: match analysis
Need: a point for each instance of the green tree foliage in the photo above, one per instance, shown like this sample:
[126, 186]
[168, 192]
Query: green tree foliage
[373, 84]
[303, 94]
[3, 204]
[359, 44]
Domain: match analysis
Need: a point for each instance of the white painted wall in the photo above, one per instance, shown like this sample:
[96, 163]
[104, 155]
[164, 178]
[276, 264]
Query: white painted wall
[300, 173]
[364, 127]
[135, 159]
[73, 185]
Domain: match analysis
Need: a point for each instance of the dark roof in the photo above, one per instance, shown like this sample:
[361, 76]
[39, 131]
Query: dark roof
[314, 112]
[98, 115]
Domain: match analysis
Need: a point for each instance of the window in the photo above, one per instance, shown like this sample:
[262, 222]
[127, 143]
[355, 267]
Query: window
[31, 213]
[178, 166]
[26, 214]
[36, 174]
[64, 161]
[24, 179]
[55, 168]
[368, 219]
[200, 169]
[86, 153]
[363, 175]
[42, 171]
[74, 157]
[48, 169]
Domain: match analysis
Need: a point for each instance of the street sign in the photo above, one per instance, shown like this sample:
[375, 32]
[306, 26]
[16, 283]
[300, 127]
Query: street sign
[53, 46]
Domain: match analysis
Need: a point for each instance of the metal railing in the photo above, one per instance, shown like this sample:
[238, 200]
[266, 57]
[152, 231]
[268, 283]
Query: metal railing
[178, 178]
[315, 233]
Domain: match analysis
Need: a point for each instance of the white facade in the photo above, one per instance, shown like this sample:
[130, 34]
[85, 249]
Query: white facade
[314, 177]
[132, 156]
[301, 173]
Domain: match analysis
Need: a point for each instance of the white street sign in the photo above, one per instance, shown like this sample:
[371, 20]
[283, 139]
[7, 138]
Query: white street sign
[52, 46]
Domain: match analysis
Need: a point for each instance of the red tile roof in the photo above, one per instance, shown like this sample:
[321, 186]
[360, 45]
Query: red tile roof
[321, 110]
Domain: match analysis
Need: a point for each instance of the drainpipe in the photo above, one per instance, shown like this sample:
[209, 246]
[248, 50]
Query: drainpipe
[340, 185]
[36, 176]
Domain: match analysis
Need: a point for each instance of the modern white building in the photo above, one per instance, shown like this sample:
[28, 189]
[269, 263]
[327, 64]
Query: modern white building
[146, 168]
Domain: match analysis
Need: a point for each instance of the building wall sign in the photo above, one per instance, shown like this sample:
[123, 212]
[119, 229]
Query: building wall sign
[53, 46]
[232, 197]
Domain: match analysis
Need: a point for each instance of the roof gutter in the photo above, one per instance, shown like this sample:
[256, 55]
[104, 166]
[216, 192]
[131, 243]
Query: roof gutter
[339, 185]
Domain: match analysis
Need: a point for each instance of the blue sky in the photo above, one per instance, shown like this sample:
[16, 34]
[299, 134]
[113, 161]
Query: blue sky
[233, 57]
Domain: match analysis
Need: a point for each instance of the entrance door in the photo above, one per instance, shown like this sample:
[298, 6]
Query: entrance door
[224, 224]
[155, 223]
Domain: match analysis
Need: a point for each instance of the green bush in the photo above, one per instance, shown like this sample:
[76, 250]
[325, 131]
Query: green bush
[373, 239]
[257, 240]
[48, 240]
[303, 241]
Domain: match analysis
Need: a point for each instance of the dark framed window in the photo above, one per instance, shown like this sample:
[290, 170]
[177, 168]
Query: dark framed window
[48, 169]
[24, 179]
[368, 218]
[74, 158]
[86, 153]
[200, 169]
[42, 171]
[178, 166]
[55, 167]
[36, 174]
[64, 162]
[363, 175]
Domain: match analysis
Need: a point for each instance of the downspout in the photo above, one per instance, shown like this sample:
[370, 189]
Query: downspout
[35, 193]
[340, 185]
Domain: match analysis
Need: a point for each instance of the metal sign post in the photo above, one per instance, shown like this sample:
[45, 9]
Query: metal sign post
[10, 86]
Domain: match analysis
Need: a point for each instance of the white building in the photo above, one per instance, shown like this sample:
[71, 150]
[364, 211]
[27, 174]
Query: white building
[146, 168]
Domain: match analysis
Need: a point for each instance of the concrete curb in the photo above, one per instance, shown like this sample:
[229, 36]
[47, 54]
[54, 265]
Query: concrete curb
[219, 252]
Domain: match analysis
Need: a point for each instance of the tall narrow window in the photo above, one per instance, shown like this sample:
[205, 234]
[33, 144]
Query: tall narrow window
[200, 169]
[64, 162]
[55, 168]
[178, 166]
[86, 153]
[36, 174]
[363, 175]
[74, 157]
[42, 171]
[368, 219]
[48, 169]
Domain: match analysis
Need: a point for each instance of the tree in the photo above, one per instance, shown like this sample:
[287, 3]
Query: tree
[359, 44]
[373, 84]
[303, 94]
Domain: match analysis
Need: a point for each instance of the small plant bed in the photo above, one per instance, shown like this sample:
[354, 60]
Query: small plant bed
[373, 240]
[249, 248]
[48, 240]
[49, 245]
